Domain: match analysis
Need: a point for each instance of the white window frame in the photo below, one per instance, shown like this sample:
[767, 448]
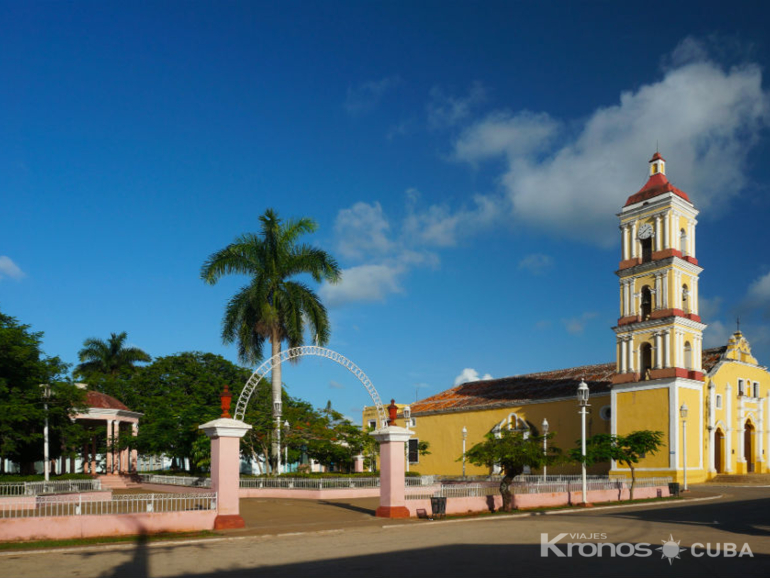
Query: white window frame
[740, 388]
[756, 390]
[719, 401]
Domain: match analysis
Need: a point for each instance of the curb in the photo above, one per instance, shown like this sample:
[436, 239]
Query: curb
[555, 512]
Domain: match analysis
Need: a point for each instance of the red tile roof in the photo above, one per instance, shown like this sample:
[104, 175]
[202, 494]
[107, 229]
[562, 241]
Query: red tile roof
[103, 401]
[656, 185]
[509, 391]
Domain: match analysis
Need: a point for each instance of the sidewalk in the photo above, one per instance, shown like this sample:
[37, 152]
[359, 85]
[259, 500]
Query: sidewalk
[265, 516]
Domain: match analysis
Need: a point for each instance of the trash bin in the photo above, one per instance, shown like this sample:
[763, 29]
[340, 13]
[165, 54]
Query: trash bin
[438, 507]
[673, 489]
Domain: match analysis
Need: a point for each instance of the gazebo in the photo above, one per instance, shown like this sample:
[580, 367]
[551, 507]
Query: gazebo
[103, 407]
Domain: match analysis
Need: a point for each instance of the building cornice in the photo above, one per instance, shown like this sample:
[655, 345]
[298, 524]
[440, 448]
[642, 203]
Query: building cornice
[644, 326]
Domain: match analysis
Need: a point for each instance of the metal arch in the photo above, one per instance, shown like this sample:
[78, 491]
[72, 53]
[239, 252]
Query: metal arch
[288, 354]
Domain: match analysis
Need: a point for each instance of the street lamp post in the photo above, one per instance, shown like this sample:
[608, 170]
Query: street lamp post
[286, 444]
[465, 437]
[407, 412]
[582, 396]
[46, 460]
[545, 446]
[683, 412]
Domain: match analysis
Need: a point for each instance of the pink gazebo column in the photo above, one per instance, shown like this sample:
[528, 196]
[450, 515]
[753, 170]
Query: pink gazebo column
[392, 479]
[108, 458]
[358, 464]
[225, 435]
[134, 467]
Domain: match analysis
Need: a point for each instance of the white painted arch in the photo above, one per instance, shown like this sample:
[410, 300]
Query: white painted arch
[294, 352]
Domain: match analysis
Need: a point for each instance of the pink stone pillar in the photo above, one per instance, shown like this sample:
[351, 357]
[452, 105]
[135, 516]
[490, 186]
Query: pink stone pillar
[225, 435]
[358, 464]
[392, 479]
[108, 457]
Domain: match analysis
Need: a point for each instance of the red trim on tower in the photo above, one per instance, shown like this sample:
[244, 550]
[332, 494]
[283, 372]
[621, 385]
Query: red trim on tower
[656, 185]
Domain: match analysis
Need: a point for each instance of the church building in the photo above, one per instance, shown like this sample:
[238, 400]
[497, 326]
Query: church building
[711, 405]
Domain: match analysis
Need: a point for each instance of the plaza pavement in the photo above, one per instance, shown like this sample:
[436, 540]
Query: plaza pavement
[293, 538]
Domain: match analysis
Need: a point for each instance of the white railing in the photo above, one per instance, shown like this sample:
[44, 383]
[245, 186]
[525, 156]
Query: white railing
[453, 491]
[576, 485]
[531, 485]
[52, 487]
[310, 483]
[47, 506]
[188, 481]
[327, 483]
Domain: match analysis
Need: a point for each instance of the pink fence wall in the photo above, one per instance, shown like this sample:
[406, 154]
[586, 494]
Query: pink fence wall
[530, 501]
[331, 494]
[69, 527]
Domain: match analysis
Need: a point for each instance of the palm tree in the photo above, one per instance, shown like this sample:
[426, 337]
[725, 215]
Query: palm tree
[108, 357]
[272, 307]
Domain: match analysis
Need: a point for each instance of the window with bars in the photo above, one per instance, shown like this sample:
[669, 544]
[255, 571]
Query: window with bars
[414, 451]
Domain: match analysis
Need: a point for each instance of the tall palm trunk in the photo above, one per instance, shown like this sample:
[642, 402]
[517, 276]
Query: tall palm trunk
[275, 379]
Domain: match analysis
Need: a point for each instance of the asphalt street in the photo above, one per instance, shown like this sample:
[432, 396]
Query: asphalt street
[638, 541]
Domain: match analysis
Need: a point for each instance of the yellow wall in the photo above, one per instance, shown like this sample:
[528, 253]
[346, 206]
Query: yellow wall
[730, 373]
[645, 410]
[444, 432]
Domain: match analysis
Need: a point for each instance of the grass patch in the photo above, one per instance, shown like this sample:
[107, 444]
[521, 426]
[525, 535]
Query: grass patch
[47, 544]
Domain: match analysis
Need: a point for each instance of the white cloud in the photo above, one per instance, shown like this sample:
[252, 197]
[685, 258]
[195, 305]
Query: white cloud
[335, 385]
[10, 269]
[536, 263]
[576, 325]
[364, 234]
[759, 290]
[503, 133]
[441, 226]
[365, 97]
[708, 308]
[469, 374]
[706, 119]
[362, 230]
[363, 283]
[445, 110]
[716, 334]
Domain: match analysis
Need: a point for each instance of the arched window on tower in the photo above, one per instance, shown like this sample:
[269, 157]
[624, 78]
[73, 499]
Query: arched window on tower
[646, 302]
[683, 242]
[687, 355]
[646, 250]
[685, 299]
[646, 361]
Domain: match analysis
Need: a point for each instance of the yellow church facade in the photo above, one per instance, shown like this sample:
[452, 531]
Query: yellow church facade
[711, 405]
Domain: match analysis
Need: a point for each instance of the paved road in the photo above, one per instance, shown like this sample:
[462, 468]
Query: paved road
[488, 547]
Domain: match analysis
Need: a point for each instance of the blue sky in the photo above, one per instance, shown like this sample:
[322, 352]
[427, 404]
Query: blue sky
[464, 163]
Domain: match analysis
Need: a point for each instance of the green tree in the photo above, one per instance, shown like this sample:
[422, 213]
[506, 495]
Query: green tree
[23, 369]
[628, 449]
[274, 306]
[109, 357]
[512, 451]
[177, 393]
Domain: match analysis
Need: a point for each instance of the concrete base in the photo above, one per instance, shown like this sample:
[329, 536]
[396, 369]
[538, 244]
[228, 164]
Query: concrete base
[228, 522]
[392, 512]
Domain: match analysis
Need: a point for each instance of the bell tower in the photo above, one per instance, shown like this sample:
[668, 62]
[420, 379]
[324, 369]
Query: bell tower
[659, 332]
